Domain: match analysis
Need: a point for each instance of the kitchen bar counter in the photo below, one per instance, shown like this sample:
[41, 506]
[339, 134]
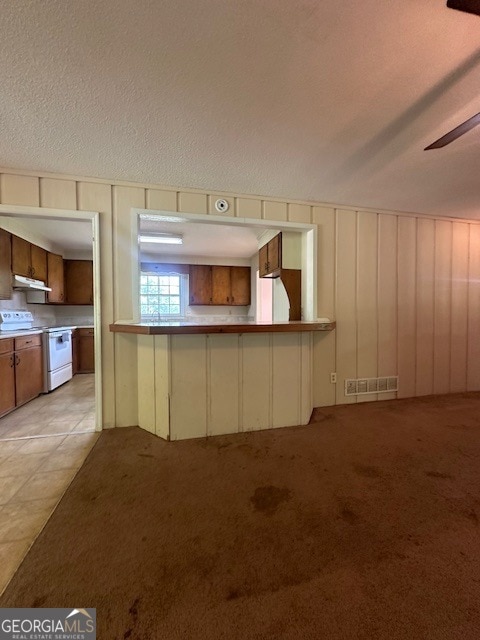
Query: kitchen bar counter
[197, 380]
[189, 328]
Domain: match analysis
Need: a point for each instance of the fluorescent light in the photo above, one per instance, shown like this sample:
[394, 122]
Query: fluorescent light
[160, 238]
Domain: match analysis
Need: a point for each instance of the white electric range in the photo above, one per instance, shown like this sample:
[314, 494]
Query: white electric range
[56, 341]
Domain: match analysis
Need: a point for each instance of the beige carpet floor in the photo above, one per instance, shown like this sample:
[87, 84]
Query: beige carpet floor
[364, 524]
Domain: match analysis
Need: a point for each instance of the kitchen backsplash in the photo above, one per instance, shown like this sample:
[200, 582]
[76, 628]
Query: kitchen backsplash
[47, 315]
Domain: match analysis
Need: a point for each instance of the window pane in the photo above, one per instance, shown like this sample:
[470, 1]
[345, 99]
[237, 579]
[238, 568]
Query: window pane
[161, 295]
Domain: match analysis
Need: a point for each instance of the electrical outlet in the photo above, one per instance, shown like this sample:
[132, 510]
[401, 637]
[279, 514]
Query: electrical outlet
[333, 378]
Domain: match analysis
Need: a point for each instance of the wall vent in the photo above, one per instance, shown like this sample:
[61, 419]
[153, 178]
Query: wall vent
[385, 384]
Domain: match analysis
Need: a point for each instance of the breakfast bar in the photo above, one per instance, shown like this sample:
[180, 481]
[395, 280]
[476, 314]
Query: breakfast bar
[198, 379]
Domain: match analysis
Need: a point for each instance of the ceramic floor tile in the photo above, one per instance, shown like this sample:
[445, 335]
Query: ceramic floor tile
[14, 508]
[10, 485]
[9, 420]
[39, 445]
[49, 484]
[56, 428]
[23, 429]
[11, 555]
[65, 459]
[79, 441]
[20, 465]
[68, 416]
[7, 447]
[22, 526]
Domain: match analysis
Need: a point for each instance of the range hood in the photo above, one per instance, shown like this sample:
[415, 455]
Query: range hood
[20, 282]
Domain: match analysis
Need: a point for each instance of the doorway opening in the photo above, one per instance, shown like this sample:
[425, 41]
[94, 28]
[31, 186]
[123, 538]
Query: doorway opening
[64, 339]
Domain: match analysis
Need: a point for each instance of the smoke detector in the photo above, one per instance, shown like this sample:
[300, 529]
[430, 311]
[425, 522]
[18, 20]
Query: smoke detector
[222, 205]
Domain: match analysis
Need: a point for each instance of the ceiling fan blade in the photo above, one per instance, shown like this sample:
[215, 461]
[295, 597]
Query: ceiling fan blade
[470, 6]
[455, 133]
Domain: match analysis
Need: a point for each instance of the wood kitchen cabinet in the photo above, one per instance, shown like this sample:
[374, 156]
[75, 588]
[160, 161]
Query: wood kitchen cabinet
[219, 285]
[21, 257]
[78, 281]
[38, 261]
[74, 351]
[270, 258]
[200, 284]
[28, 259]
[86, 350]
[5, 265]
[28, 368]
[55, 278]
[21, 371]
[7, 376]
[240, 285]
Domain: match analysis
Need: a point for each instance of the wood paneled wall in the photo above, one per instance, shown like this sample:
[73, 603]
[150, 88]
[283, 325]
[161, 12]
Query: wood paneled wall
[404, 289]
[407, 293]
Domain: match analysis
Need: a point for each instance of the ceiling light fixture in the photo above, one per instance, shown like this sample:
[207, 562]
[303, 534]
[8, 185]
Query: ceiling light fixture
[160, 238]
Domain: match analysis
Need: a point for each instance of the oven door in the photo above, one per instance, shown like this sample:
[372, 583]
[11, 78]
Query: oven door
[59, 349]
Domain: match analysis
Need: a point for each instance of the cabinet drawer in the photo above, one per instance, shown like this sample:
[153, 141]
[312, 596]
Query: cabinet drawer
[85, 332]
[28, 341]
[6, 346]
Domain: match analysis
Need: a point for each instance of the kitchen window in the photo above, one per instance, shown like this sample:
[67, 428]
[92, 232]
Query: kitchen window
[162, 295]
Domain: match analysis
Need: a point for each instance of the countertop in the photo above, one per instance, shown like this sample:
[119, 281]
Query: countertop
[37, 330]
[185, 328]
[19, 333]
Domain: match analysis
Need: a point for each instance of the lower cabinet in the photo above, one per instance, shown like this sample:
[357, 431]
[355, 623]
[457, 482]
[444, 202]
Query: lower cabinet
[74, 351]
[7, 376]
[21, 371]
[28, 368]
[85, 351]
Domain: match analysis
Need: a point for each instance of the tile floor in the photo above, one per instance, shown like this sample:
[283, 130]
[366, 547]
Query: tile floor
[42, 446]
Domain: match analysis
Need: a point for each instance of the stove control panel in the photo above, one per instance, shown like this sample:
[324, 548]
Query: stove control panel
[14, 320]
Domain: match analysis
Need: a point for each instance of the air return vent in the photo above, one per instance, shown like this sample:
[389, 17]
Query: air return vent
[362, 386]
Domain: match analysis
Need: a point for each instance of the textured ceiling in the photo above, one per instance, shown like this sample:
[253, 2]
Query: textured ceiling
[331, 101]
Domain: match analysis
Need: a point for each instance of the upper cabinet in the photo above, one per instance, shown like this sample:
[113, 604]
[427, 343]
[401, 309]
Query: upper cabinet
[38, 262]
[55, 278]
[270, 258]
[5, 268]
[21, 257]
[78, 281]
[219, 285]
[28, 259]
[200, 284]
[240, 284]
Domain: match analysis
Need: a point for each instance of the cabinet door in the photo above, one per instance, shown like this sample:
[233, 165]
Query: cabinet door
[86, 351]
[263, 261]
[39, 262]
[5, 265]
[221, 287]
[240, 285]
[74, 352]
[21, 261]
[79, 281]
[28, 374]
[55, 278]
[275, 253]
[200, 284]
[7, 386]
